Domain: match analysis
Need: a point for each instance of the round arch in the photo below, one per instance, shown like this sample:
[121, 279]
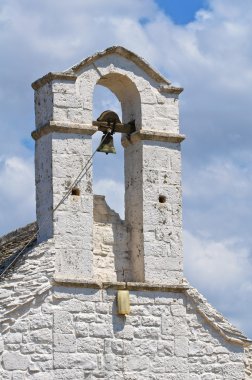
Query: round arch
[128, 95]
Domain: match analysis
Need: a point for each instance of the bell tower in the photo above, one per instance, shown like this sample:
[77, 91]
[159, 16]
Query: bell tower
[151, 140]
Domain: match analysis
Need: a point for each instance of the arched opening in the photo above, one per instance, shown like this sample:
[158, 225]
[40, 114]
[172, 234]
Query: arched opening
[114, 92]
[118, 93]
[108, 170]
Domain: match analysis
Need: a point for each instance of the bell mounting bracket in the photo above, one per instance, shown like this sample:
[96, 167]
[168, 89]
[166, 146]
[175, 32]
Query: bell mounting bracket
[110, 120]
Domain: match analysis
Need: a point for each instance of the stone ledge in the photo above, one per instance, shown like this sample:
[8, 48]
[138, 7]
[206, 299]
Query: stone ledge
[170, 89]
[51, 76]
[63, 127]
[150, 135]
[119, 285]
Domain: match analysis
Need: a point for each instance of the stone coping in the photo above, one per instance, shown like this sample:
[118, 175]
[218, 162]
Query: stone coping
[119, 285]
[170, 89]
[151, 135]
[71, 74]
[53, 76]
[216, 319]
[63, 127]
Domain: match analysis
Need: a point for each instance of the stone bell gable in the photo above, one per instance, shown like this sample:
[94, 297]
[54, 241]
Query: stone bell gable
[84, 294]
[63, 107]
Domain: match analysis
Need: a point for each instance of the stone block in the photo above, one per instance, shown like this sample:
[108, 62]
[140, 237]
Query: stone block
[15, 361]
[13, 338]
[166, 348]
[18, 375]
[1, 344]
[141, 347]
[178, 310]
[181, 346]
[21, 326]
[127, 332]
[136, 363]
[82, 329]
[27, 348]
[64, 342]
[100, 330]
[66, 100]
[77, 360]
[146, 333]
[41, 336]
[151, 321]
[82, 294]
[63, 322]
[68, 374]
[40, 358]
[102, 308]
[90, 345]
[167, 324]
[113, 363]
[233, 371]
[42, 376]
[43, 348]
[86, 317]
[41, 321]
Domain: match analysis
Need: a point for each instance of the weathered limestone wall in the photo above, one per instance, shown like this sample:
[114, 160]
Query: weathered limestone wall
[134, 209]
[43, 103]
[73, 220]
[210, 356]
[153, 209]
[72, 332]
[44, 189]
[248, 362]
[162, 219]
[59, 160]
[76, 333]
[58, 101]
[111, 259]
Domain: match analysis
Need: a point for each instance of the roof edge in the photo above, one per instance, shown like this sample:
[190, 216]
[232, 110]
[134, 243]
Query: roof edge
[216, 319]
[14, 243]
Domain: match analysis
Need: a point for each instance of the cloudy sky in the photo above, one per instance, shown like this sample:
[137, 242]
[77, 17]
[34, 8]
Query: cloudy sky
[202, 45]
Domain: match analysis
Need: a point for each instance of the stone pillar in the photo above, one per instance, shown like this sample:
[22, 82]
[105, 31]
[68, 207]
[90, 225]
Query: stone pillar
[153, 209]
[63, 149]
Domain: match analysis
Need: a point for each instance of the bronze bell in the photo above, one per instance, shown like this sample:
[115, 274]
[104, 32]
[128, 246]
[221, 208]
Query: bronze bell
[107, 144]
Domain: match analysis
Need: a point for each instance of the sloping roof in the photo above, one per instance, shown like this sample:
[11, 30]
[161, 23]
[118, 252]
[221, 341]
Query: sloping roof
[13, 243]
[71, 73]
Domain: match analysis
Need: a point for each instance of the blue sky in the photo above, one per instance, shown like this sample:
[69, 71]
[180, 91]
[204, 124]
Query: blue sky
[203, 46]
[181, 11]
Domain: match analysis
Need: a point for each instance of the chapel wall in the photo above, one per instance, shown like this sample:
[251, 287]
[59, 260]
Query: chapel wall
[76, 333]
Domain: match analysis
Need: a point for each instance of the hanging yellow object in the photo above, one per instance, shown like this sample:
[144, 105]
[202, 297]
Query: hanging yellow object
[123, 302]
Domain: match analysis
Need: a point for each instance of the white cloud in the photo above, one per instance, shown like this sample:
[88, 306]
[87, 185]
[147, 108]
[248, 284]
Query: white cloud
[221, 270]
[217, 178]
[216, 264]
[17, 201]
[217, 199]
